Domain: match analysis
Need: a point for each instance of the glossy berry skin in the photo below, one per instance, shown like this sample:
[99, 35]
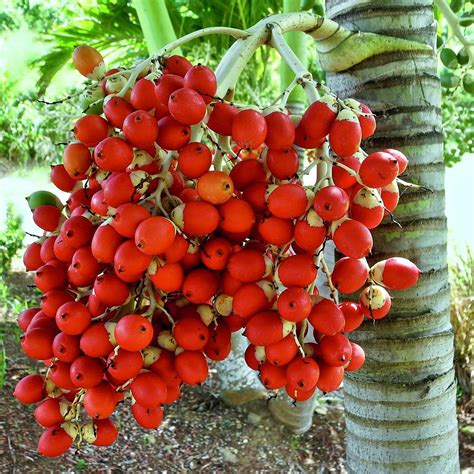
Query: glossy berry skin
[140, 129]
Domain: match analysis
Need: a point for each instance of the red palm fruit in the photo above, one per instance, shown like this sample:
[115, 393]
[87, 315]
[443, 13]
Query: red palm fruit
[87, 372]
[173, 135]
[95, 341]
[85, 262]
[340, 176]
[149, 418]
[400, 157]
[287, 201]
[251, 358]
[98, 204]
[228, 284]
[345, 134]
[51, 276]
[219, 344]
[59, 375]
[54, 442]
[164, 367]
[297, 270]
[331, 203]
[47, 249]
[30, 389]
[142, 96]
[63, 251]
[272, 376]
[216, 253]
[254, 194]
[299, 395]
[196, 218]
[32, 257]
[177, 250]
[367, 207]
[91, 129]
[194, 159]
[350, 274]
[66, 347]
[191, 259]
[95, 306]
[25, 317]
[50, 412]
[105, 242]
[303, 372]
[282, 163]
[366, 121]
[77, 231]
[133, 332]
[357, 358]
[105, 432]
[187, 106]
[267, 328]
[335, 350]
[319, 117]
[378, 169]
[117, 109]
[303, 140]
[129, 261]
[79, 198]
[249, 129]
[155, 235]
[236, 216]
[395, 273]
[167, 84]
[352, 238]
[326, 317]
[176, 64]
[47, 217]
[215, 187]
[149, 390]
[140, 129]
[275, 230]
[200, 286]
[52, 300]
[73, 318]
[77, 279]
[61, 178]
[167, 277]
[89, 62]
[77, 160]
[282, 352]
[375, 302]
[390, 196]
[247, 266]
[191, 367]
[252, 298]
[221, 118]
[353, 315]
[100, 401]
[40, 320]
[36, 343]
[125, 365]
[110, 290]
[330, 377]
[203, 80]
[113, 154]
[191, 333]
[280, 130]
[294, 304]
[247, 172]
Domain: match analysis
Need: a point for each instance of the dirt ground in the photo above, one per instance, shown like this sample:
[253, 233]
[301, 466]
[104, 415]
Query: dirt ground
[199, 433]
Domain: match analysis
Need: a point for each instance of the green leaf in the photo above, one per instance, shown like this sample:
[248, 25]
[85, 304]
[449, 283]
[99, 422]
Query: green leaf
[463, 56]
[468, 82]
[466, 15]
[449, 58]
[307, 4]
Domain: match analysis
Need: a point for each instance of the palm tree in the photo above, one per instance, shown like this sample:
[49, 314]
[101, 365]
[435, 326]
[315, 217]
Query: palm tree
[401, 410]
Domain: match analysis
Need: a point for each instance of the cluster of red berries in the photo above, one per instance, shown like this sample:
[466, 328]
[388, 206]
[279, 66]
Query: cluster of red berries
[156, 258]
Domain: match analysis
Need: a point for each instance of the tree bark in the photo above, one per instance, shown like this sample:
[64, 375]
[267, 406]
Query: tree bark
[400, 408]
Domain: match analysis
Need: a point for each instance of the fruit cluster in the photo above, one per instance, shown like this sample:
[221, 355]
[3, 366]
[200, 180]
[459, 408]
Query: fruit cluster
[186, 221]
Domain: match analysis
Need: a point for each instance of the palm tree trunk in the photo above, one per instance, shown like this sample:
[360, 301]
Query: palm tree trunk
[400, 409]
